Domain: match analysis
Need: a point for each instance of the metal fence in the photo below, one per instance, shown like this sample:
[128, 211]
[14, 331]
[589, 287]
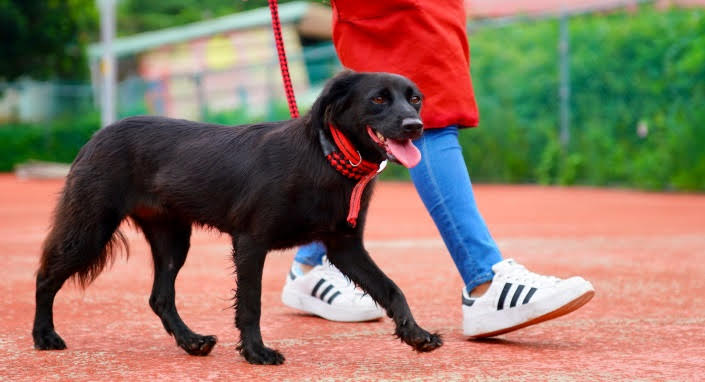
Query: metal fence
[199, 96]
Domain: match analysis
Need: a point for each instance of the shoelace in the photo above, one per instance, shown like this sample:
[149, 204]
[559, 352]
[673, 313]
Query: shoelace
[338, 279]
[335, 276]
[522, 275]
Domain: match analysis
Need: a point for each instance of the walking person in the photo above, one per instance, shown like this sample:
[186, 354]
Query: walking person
[426, 41]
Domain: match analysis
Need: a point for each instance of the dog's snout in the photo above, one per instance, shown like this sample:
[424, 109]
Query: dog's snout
[411, 124]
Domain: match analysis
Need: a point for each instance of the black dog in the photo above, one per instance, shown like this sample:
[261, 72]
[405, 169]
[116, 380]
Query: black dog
[270, 186]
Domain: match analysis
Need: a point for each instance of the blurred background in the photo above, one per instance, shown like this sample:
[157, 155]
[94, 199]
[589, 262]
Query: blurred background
[586, 92]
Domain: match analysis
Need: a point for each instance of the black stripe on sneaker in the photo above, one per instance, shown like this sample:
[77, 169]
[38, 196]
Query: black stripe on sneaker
[468, 301]
[528, 295]
[325, 292]
[336, 294]
[503, 295]
[515, 298]
[318, 285]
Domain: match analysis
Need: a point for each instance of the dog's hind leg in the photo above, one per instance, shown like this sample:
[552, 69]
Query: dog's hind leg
[349, 255]
[78, 245]
[169, 240]
[249, 262]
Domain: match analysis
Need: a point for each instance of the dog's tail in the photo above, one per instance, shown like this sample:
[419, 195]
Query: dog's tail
[84, 237]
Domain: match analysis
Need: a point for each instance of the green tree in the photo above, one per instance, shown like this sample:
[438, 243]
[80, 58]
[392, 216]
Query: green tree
[45, 38]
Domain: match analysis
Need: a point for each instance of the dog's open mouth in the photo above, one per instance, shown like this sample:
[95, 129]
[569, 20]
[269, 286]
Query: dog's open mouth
[398, 150]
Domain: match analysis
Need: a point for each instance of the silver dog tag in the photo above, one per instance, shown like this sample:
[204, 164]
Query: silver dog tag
[382, 166]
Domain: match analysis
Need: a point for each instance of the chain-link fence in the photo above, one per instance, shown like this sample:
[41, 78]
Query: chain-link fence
[201, 96]
[634, 110]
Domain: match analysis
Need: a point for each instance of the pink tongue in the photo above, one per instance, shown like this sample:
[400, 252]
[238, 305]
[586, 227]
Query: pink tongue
[405, 152]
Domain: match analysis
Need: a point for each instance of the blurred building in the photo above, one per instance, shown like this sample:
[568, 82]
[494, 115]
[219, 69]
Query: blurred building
[221, 64]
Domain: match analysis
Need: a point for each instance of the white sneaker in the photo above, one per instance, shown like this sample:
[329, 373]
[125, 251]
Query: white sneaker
[518, 298]
[326, 292]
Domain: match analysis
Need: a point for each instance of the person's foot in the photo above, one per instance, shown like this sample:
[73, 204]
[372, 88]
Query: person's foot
[518, 298]
[326, 292]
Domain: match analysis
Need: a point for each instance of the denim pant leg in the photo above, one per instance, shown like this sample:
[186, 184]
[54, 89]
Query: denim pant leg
[442, 181]
[311, 254]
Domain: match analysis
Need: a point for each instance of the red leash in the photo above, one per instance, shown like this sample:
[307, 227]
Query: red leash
[288, 87]
[347, 161]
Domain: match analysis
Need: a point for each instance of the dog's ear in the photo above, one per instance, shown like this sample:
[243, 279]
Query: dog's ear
[333, 98]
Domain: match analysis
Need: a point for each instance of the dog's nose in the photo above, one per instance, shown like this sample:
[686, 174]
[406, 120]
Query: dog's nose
[411, 124]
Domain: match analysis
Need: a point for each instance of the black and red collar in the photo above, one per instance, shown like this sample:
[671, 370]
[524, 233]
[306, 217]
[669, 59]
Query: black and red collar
[345, 159]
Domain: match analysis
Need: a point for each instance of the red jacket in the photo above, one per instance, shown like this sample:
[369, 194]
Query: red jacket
[424, 40]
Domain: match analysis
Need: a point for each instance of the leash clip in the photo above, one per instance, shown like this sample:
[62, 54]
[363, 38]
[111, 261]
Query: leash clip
[358, 162]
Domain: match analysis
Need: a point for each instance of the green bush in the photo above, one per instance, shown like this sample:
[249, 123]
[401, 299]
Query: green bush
[57, 141]
[61, 139]
[627, 69]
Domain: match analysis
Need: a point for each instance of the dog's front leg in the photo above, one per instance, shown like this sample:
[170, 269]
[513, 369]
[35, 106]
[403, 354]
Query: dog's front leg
[352, 259]
[249, 261]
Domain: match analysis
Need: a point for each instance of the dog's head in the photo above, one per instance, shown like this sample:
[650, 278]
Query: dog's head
[377, 112]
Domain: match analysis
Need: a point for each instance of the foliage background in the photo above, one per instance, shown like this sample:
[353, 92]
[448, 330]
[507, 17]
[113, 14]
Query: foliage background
[628, 69]
[45, 38]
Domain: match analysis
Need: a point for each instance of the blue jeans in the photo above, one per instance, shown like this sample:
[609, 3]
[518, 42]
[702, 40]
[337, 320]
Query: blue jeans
[443, 183]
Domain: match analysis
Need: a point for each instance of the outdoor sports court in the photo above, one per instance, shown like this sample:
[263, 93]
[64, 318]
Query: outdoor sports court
[644, 253]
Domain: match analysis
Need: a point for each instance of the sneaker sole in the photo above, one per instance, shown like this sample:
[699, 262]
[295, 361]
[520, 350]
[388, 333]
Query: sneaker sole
[322, 309]
[561, 311]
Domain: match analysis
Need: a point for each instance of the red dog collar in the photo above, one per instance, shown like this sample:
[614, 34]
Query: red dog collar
[348, 161]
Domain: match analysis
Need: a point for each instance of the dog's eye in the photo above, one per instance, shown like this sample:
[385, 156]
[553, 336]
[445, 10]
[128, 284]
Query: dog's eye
[415, 100]
[378, 100]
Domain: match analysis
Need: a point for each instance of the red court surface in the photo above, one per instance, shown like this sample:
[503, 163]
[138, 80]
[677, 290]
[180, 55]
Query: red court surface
[644, 252]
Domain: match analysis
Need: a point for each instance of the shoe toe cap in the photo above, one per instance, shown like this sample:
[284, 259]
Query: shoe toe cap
[578, 283]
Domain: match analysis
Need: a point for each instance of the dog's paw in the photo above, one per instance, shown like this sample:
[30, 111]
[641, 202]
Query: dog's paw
[47, 340]
[419, 339]
[198, 345]
[261, 355]
[427, 342]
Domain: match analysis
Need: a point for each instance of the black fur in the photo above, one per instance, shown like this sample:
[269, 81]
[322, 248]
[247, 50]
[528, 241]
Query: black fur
[267, 185]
